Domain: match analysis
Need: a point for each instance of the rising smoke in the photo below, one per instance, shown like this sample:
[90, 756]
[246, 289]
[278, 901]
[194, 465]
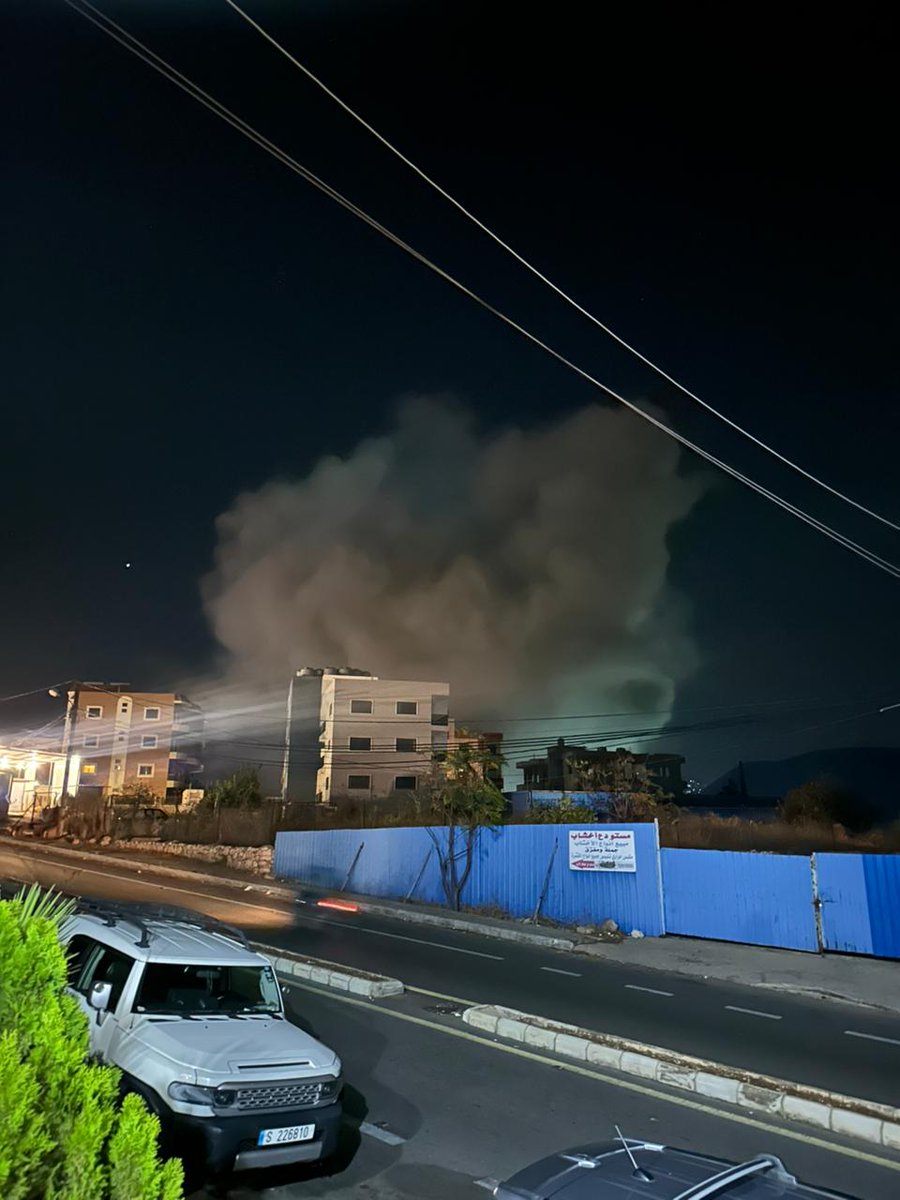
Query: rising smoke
[527, 566]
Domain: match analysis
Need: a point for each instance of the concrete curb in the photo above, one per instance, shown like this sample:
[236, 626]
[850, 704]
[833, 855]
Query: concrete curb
[846, 1115]
[461, 924]
[342, 979]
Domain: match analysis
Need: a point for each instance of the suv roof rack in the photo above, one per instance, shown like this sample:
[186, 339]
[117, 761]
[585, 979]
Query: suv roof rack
[139, 916]
[732, 1174]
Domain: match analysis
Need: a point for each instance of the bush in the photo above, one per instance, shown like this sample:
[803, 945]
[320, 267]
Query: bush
[241, 790]
[63, 1133]
[827, 803]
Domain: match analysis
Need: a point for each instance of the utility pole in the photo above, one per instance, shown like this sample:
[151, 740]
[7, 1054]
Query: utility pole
[68, 731]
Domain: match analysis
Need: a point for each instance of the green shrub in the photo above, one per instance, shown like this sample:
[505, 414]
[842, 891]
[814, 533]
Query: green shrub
[63, 1133]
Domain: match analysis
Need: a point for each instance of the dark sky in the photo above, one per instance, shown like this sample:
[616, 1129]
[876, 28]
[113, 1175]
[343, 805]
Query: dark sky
[183, 318]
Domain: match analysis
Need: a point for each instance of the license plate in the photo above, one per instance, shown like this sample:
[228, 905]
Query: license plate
[289, 1133]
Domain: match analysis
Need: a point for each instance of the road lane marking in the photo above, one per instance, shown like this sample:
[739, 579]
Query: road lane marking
[381, 1135]
[872, 1037]
[752, 1012]
[557, 971]
[635, 987]
[402, 937]
[124, 878]
[212, 896]
[625, 1084]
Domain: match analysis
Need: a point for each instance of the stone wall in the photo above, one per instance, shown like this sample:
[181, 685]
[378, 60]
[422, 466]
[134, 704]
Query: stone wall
[257, 859]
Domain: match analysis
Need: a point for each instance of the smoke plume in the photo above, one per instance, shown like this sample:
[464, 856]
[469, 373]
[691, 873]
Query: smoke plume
[527, 567]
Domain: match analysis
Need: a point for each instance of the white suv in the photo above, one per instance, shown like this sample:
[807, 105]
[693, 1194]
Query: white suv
[195, 1021]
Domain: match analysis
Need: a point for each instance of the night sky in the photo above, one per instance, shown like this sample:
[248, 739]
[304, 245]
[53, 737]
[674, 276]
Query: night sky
[184, 319]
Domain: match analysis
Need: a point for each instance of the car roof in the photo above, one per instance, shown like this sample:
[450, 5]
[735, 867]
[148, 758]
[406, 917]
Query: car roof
[167, 939]
[662, 1173]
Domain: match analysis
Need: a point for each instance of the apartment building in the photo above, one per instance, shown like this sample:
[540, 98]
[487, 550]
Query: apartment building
[117, 740]
[378, 737]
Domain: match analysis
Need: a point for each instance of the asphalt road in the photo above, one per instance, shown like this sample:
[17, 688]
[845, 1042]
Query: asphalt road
[432, 1108]
[841, 1047]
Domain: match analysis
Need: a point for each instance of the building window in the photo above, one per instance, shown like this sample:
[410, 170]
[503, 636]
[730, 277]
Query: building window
[359, 783]
[124, 706]
[360, 743]
[151, 714]
[91, 741]
[145, 770]
[89, 768]
[407, 708]
[360, 706]
[406, 745]
[149, 741]
[440, 710]
[93, 712]
[405, 783]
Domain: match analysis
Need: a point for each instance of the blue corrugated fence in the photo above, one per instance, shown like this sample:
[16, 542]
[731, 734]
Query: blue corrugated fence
[509, 871]
[763, 899]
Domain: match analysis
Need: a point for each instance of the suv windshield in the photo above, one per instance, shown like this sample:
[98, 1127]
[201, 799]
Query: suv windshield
[188, 989]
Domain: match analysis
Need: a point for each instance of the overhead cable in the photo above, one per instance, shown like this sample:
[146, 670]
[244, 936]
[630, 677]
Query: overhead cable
[529, 266]
[134, 46]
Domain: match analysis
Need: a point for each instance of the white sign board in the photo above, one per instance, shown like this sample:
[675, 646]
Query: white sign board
[601, 849]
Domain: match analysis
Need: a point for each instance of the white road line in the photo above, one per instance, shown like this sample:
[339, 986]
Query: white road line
[381, 1135]
[634, 987]
[752, 1012]
[872, 1037]
[402, 937]
[557, 971]
[263, 907]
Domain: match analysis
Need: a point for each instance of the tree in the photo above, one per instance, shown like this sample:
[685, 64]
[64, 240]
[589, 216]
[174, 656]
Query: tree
[465, 800]
[633, 796]
[826, 802]
[63, 1133]
[240, 790]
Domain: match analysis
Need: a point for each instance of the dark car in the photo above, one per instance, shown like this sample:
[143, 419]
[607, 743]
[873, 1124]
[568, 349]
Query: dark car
[643, 1171]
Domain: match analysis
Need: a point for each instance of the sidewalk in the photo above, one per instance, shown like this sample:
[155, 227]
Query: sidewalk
[848, 978]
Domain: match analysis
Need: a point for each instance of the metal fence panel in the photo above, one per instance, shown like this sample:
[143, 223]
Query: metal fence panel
[860, 898]
[509, 870]
[761, 899]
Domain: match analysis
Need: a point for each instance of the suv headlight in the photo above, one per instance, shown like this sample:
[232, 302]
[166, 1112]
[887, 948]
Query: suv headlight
[193, 1093]
[331, 1088]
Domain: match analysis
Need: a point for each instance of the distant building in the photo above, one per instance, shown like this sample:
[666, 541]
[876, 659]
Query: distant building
[488, 743]
[117, 740]
[30, 781]
[379, 737]
[566, 768]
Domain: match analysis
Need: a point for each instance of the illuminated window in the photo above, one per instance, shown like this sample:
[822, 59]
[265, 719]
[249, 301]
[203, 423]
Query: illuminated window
[93, 712]
[145, 770]
[151, 714]
[89, 768]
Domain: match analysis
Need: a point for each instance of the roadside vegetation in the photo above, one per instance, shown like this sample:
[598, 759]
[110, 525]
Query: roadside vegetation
[65, 1134]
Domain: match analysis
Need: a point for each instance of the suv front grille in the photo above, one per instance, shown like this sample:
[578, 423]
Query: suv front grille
[303, 1094]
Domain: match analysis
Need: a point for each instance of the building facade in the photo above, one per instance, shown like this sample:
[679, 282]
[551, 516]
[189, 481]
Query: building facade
[378, 737]
[118, 741]
[566, 768]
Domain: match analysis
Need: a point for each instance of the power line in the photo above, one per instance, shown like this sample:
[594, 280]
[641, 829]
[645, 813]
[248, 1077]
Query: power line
[544, 279]
[134, 46]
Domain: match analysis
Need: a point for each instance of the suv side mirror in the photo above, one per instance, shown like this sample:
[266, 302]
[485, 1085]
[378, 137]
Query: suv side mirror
[100, 996]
